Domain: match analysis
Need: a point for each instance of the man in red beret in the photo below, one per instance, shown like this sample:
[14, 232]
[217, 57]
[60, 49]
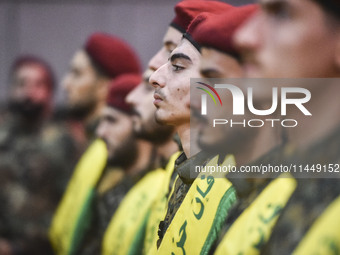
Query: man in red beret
[36, 159]
[182, 230]
[166, 150]
[128, 160]
[103, 58]
[249, 146]
[125, 150]
[300, 39]
[185, 12]
[220, 59]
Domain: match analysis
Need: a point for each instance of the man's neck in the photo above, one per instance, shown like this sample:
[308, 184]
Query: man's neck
[188, 139]
[164, 151]
[142, 162]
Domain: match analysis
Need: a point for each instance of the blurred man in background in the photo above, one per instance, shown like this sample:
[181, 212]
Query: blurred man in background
[36, 159]
[103, 58]
[283, 41]
[129, 159]
[249, 146]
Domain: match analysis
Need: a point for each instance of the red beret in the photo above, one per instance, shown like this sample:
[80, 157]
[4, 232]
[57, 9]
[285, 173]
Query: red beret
[120, 88]
[202, 17]
[217, 31]
[187, 10]
[112, 55]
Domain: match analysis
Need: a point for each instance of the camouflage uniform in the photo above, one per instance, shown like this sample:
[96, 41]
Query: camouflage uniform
[181, 188]
[35, 164]
[309, 200]
[247, 190]
[106, 202]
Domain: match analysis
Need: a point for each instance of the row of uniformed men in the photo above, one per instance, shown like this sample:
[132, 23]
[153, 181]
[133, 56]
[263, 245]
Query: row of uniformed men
[128, 195]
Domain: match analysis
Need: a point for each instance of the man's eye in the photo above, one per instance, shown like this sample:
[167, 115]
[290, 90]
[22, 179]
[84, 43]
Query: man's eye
[177, 68]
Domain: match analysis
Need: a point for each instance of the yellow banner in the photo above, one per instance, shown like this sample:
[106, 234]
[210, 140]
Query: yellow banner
[125, 233]
[324, 235]
[71, 216]
[253, 227]
[158, 208]
[200, 216]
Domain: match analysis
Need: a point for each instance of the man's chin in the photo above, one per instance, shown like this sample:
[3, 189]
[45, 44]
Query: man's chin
[160, 120]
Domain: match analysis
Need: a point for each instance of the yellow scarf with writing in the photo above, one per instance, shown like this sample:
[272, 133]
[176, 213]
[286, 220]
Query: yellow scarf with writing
[125, 233]
[69, 221]
[253, 227]
[158, 208]
[324, 235]
[199, 219]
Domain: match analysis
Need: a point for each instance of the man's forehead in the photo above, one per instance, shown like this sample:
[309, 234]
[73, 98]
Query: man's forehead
[80, 58]
[185, 47]
[179, 52]
[209, 60]
[172, 36]
[32, 68]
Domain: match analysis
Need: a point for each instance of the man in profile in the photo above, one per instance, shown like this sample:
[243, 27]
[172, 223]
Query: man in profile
[129, 158]
[103, 58]
[36, 159]
[190, 231]
[283, 41]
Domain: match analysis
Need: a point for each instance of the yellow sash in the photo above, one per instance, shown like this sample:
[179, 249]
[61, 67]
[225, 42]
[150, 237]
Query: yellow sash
[70, 219]
[158, 208]
[125, 233]
[253, 227]
[200, 216]
[324, 235]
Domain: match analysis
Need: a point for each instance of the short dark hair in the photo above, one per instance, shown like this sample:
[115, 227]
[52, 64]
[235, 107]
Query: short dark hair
[25, 60]
[330, 6]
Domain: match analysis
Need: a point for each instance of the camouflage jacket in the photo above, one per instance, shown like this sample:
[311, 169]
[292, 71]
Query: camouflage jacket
[181, 187]
[36, 162]
[310, 199]
[111, 190]
[248, 189]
